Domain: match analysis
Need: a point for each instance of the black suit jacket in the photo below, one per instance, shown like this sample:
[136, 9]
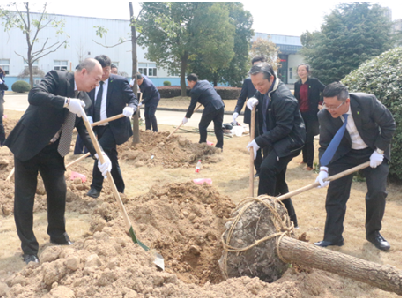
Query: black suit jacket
[373, 120]
[247, 91]
[204, 93]
[314, 96]
[118, 95]
[45, 116]
[150, 94]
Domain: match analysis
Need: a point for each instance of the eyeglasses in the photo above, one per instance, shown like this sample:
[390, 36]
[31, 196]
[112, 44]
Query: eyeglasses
[324, 106]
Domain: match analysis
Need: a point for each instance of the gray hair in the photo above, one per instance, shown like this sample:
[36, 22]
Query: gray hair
[88, 64]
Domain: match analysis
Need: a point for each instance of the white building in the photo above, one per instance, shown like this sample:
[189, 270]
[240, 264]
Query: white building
[80, 33]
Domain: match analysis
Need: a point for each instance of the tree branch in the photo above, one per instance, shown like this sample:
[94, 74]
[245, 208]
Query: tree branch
[113, 45]
[49, 52]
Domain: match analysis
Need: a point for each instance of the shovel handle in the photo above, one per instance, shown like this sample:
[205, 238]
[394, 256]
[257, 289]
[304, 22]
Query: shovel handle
[107, 120]
[181, 123]
[331, 178]
[252, 158]
[116, 194]
[78, 159]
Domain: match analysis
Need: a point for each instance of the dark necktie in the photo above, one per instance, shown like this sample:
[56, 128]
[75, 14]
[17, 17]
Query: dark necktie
[98, 102]
[66, 133]
[333, 145]
[265, 103]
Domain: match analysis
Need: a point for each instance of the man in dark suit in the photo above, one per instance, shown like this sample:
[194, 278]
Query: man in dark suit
[39, 142]
[109, 99]
[248, 91]
[367, 128]
[151, 97]
[214, 108]
[282, 132]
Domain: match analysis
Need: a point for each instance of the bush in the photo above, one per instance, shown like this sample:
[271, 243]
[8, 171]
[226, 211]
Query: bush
[382, 76]
[226, 92]
[167, 83]
[20, 86]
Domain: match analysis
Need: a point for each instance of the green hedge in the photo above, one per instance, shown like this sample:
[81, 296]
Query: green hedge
[382, 76]
[167, 83]
[226, 92]
[21, 86]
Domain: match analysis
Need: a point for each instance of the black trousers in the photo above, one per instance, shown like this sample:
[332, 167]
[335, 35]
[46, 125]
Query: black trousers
[272, 177]
[258, 158]
[339, 192]
[217, 117]
[311, 122]
[79, 146]
[50, 164]
[150, 119]
[108, 143]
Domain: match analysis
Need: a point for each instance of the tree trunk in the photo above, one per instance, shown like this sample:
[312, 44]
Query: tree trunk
[381, 276]
[136, 127]
[184, 63]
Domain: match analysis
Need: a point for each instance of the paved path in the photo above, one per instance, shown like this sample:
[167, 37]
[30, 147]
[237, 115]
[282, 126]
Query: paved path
[168, 117]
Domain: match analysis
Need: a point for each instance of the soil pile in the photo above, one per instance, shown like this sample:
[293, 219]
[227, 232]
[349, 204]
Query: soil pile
[176, 152]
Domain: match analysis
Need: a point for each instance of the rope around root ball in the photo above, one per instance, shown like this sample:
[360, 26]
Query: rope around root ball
[280, 226]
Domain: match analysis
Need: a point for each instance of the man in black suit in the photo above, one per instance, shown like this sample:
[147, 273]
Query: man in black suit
[39, 142]
[214, 108]
[282, 132]
[367, 128]
[109, 99]
[248, 91]
[151, 97]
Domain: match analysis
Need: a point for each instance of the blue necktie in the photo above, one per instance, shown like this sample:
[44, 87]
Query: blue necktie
[333, 145]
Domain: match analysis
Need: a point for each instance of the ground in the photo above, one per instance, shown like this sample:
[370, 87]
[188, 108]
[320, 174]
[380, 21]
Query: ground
[180, 220]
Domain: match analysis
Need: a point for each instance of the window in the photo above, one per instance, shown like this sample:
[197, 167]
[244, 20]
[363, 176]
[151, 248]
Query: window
[60, 65]
[5, 65]
[290, 73]
[148, 69]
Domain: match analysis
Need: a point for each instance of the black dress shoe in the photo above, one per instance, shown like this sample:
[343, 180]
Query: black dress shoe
[61, 240]
[93, 193]
[378, 241]
[326, 244]
[30, 257]
[293, 218]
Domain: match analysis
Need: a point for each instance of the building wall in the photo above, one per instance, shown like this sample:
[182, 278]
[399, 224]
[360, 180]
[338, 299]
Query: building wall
[294, 61]
[82, 42]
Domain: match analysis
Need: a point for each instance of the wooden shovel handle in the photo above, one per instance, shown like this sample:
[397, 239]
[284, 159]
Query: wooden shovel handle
[108, 175]
[252, 158]
[107, 120]
[331, 178]
[181, 123]
[78, 159]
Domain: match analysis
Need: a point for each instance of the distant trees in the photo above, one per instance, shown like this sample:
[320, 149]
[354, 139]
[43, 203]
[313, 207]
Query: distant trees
[266, 48]
[31, 27]
[196, 36]
[351, 34]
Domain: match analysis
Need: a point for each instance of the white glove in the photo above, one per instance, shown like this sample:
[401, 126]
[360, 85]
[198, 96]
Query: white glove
[1, 81]
[321, 177]
[106, 166]
[235, 115]
[251, 103]
[376, 159]
[76, 106]
[89, 119]
[255, 147]
[184, 121]
[139, 104]
[128, 111]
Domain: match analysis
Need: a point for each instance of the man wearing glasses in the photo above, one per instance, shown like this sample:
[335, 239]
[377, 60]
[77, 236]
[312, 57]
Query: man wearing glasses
[354, 128]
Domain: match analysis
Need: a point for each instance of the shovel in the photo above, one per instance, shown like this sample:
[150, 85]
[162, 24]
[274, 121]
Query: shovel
[252, 158]
[168, 137]
[158, 259]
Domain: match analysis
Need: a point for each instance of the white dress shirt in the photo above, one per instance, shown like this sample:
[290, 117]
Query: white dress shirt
[357, 141]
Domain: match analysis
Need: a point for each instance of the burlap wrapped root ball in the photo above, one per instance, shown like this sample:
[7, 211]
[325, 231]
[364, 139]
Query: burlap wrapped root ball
[251, 237]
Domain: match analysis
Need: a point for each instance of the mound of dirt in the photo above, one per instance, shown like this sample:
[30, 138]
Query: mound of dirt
[176, 152]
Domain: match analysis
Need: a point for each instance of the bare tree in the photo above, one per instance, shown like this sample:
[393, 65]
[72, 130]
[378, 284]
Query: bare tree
[31, 27]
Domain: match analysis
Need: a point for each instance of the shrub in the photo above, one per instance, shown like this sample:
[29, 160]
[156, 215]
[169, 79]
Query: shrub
[226, 92]
[167, 83]
[382, 76]
[21, 86]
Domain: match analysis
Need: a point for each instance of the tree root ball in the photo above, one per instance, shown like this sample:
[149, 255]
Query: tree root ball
[253, 220]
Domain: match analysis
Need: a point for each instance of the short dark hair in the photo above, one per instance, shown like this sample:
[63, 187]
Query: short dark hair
[336, 89]
[104, 60]
[138, 75]
[113, 66]
[192, 77]
[260, 58]
[264, 68]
